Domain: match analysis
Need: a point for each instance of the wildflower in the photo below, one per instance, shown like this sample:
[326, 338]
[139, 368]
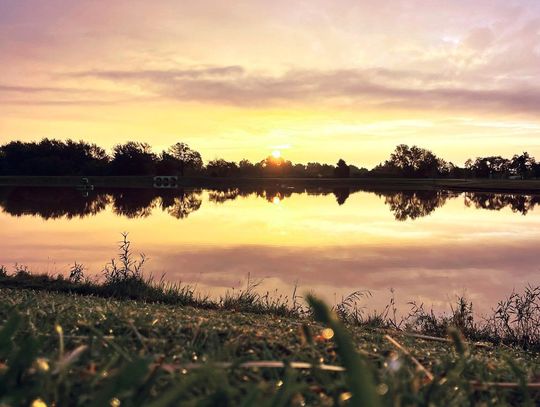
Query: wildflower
[42, 364]
[382, 389]
[327, 333]
[345, 396]
[38, 403]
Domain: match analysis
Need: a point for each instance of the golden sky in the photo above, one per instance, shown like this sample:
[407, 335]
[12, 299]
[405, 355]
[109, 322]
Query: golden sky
[317, 79]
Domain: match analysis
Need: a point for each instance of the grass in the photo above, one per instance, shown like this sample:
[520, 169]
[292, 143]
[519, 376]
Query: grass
[66, 349]
[515, 321]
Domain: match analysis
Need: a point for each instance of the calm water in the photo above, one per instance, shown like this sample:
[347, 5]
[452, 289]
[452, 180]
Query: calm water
[427, 246]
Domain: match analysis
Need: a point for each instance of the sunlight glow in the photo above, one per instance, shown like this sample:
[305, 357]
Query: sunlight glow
[276, 154]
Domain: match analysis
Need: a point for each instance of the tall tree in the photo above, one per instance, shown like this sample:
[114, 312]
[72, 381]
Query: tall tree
[221, 168]
[342, 169]
[522, 164]
[485, 167]
[186, 157]
[133, 158]
[413, 162]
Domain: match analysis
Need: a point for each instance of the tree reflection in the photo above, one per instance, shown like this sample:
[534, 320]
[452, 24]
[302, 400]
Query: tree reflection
[134, 203]
[517, 203]
[180, 203]
[341, 194]
[412, 205]
[223, 195]
[51, 203]
[56, 202]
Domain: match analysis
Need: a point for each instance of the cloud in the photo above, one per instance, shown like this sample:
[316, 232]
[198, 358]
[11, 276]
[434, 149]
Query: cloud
[480, 38]
[61, 96]
[234, 85]
[164, 75]
[33, 89]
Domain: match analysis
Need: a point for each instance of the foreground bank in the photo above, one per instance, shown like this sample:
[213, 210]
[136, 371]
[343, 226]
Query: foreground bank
[65, 349]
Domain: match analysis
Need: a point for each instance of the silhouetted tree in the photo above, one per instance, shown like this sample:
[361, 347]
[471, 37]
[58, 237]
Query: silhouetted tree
[276, 167]
[342, 170]
[186, 157]
[133, 158]
[319, 170]
[52, 157]
[166, 164]
[413, 162]
[247, 168]
[358, 172]
[221, 168]
[488, 167]
[536, 170]
[522, 165]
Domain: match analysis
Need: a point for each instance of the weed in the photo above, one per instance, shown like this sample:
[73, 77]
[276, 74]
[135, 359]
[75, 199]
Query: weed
[126, 267]
[76, 273]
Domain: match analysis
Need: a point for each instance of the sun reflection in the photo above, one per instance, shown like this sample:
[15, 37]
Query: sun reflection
[276, 200]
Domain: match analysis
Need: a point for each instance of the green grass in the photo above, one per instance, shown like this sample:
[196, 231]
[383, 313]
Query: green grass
[67, 349]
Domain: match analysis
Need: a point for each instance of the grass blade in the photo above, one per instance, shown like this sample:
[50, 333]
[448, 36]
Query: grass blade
[359, 375]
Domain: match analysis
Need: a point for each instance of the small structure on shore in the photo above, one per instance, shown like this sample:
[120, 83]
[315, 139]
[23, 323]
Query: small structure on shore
[166, 181]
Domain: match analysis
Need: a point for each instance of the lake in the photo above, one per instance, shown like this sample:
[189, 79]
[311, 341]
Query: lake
[428, 246]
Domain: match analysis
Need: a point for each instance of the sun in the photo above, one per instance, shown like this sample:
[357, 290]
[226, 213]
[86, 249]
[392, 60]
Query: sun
[276, 154]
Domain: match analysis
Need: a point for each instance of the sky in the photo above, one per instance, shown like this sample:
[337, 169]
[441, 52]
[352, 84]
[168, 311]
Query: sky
[318, 80]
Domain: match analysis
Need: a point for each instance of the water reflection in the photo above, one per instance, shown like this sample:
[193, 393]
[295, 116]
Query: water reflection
[341, 195]
[332, 241]
[55, 203]
[51, 203]
[517, 203]
[416, 204]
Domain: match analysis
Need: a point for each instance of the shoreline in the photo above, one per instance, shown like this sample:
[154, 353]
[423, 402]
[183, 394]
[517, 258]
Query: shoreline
[146, 290]
[464, 185]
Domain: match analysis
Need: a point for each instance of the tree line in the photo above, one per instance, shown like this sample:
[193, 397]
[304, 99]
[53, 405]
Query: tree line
[55, 157]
